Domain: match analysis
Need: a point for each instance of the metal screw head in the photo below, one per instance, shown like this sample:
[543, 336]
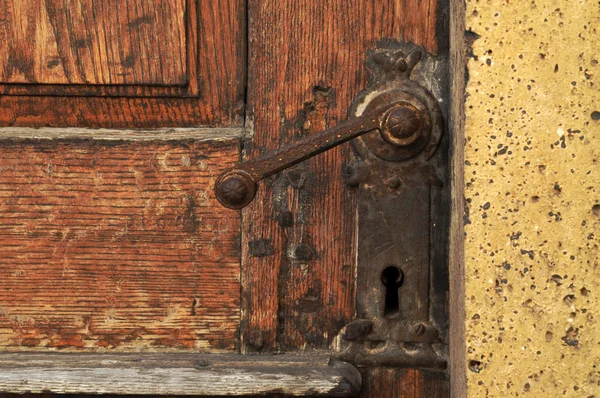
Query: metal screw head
[235, 189]
[393, 182]
[419, 329]
[402, 125]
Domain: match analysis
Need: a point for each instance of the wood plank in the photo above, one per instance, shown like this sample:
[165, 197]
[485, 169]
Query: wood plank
[168, 134]
[104, 42]
[177, 374]
[117, 244]
[213, 94]
[458, 62]
[112, 113]
[403, 383]
[306, 65]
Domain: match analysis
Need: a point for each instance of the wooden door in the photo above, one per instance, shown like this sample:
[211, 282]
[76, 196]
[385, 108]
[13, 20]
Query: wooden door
[118, 116]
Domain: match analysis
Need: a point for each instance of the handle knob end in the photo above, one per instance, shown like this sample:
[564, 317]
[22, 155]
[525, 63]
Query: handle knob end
[402, 125]
[235, 189]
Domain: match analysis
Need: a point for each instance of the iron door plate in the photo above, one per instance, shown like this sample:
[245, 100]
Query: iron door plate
[402, 222]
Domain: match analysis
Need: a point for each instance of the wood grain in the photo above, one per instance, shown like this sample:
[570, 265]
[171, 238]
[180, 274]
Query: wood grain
[116, 245]
[102, 42]
[167, 134]
[306, 65]
[403, 383]
[458, 62]
[178, 374]
[211, 53]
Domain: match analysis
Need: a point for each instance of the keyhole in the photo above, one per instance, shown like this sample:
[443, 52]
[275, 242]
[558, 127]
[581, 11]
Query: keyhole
[392, 278]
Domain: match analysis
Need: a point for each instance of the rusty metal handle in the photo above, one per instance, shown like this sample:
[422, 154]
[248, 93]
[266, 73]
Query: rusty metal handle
[399, 124]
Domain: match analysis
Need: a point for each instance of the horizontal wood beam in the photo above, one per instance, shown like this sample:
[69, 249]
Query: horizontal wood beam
[166, 134]
[176, 374]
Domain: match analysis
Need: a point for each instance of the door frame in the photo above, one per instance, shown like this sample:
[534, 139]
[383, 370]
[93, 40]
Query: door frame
[457, 333]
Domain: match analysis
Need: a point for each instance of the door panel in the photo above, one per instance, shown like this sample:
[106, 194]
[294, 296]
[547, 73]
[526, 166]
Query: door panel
[81, 42]
[306, 65]
[117, 245]
[113, 239]
[122, 63]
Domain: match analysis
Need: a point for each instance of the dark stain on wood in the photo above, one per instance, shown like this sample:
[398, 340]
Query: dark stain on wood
[135, 23]
[190, 221]
[261, 248]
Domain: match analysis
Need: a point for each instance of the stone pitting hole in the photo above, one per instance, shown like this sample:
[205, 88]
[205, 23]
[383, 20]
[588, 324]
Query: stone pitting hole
[475, 366]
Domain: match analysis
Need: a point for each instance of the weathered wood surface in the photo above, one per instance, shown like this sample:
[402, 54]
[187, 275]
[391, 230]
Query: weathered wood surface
[101, 42]
[458, 71]
[306, 65]
[167, 134]
[403, 383]
[176, 63]
[120, 245]
[177, 374]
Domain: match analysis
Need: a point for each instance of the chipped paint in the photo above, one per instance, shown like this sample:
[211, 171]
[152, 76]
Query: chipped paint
[532, 187]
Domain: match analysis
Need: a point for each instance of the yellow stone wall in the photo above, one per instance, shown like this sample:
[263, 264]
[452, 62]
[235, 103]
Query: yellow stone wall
[532, 186]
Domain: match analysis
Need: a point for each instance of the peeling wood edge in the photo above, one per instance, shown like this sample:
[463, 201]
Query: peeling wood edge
[205, 134]
[177, 374]
[458, 360]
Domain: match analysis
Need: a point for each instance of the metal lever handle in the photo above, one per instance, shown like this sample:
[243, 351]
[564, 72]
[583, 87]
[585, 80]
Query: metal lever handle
[399, 124]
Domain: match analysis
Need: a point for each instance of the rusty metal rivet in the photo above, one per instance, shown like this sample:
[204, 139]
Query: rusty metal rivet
[402, 125]
[235, 189]
[393, 182]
